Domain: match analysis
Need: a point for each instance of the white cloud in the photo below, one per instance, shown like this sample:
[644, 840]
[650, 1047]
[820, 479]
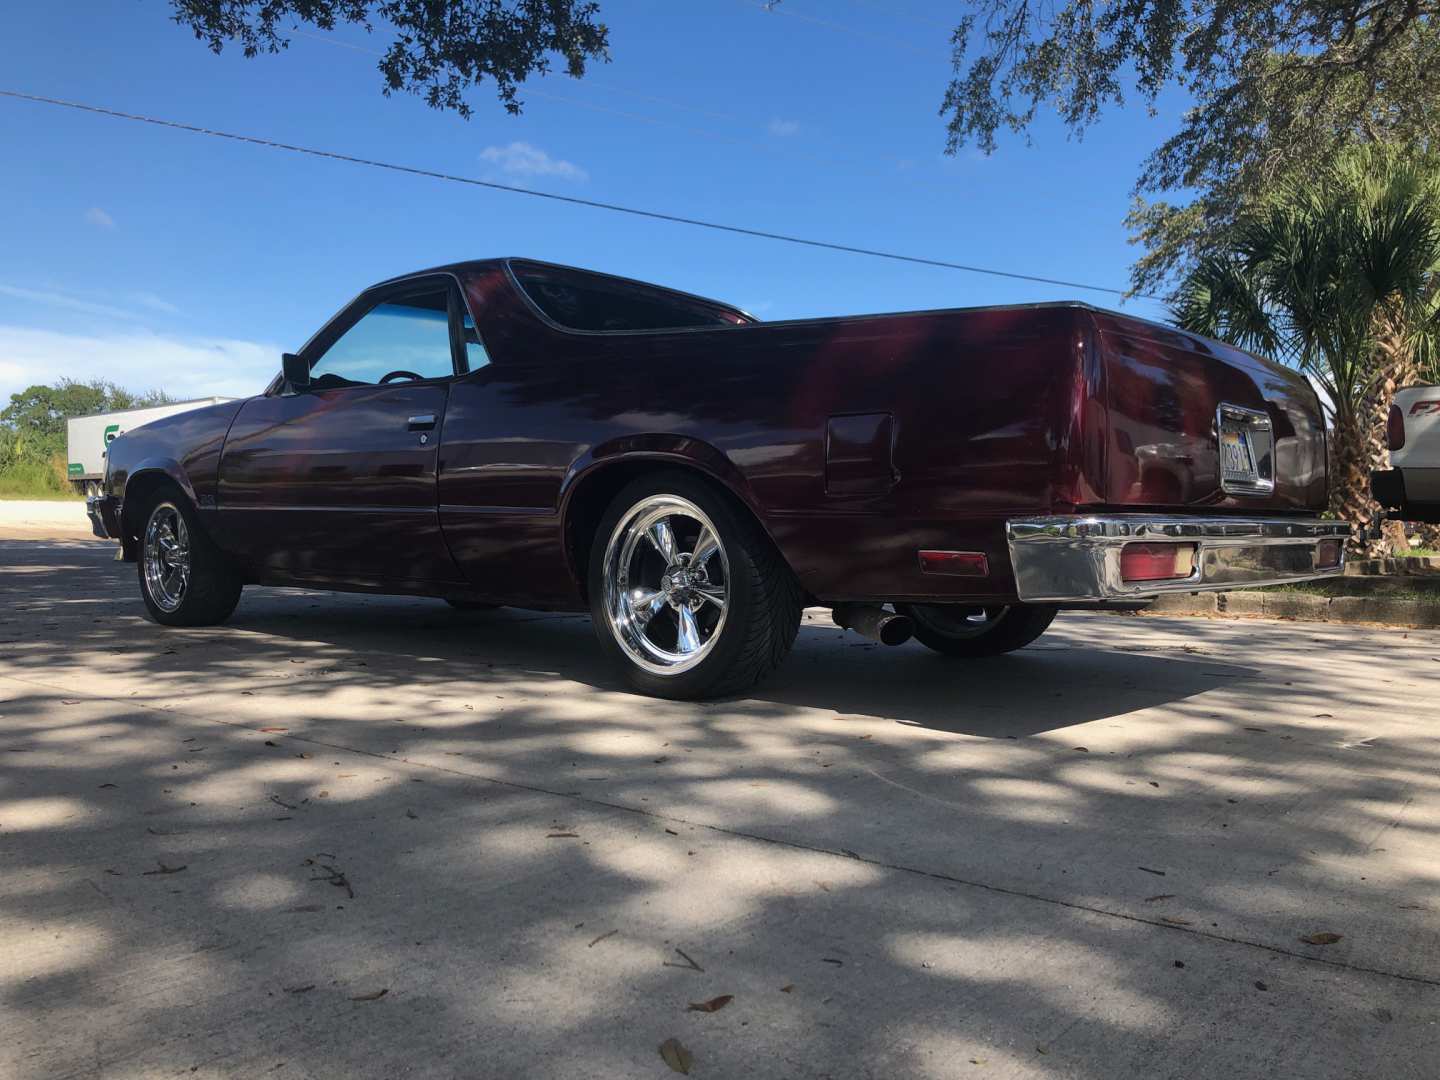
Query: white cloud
[523, 159]
[154, 303]
[784, 127]
[96, 216]
[65, 300]
[71, 302]
[182, 367]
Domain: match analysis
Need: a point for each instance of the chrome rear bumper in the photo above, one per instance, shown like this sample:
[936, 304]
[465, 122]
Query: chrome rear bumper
[1077, 557]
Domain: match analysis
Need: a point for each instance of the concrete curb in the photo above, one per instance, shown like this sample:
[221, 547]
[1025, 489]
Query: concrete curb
[1379, 610]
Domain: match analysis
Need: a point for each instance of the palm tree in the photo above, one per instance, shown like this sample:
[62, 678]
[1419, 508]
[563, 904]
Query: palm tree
[1337, 274]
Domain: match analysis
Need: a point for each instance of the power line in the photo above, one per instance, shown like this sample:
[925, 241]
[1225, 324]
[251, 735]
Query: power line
[764, 147]
[776, 149]
[573, 200]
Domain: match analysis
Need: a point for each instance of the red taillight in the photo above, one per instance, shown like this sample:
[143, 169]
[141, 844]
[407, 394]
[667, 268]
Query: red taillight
[955, 563]
[1327, 554]
[1156, 562]
[1395, 428]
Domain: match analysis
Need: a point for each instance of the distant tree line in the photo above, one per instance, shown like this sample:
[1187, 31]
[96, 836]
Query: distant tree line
[32, 430]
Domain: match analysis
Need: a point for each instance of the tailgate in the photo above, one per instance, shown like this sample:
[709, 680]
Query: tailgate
[1172, 398]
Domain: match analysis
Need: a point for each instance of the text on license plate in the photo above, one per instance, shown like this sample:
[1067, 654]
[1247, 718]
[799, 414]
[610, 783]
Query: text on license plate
[1236, 459]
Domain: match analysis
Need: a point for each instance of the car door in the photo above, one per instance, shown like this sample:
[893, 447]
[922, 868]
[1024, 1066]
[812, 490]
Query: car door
[336, 481]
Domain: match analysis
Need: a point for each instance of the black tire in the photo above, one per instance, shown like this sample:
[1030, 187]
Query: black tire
[942, 627]
[213, 588]
[461, 604]
[762, 600]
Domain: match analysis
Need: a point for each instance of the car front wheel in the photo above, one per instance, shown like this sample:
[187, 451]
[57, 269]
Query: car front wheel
[688, 596]
[185, 580]
[970, 631]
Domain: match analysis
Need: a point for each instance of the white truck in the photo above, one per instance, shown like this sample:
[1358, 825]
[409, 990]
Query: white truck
[88, 438]
[1411, 490]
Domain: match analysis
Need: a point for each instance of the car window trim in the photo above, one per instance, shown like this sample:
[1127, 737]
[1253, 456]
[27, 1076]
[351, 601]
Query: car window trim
[366, 301]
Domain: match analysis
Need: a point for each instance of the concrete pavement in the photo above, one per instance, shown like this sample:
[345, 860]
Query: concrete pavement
[44, 519]
[1095, 858]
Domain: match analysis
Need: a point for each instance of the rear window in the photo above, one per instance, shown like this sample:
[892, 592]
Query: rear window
[579, 300]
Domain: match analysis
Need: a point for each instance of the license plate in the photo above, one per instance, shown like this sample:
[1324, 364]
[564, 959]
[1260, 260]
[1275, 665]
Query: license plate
[1237, 456]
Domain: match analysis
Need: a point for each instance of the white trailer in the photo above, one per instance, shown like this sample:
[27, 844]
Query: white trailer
[88, 438]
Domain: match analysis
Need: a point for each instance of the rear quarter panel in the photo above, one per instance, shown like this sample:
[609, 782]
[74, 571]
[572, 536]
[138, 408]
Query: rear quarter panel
[987, 423]
[1162, 389]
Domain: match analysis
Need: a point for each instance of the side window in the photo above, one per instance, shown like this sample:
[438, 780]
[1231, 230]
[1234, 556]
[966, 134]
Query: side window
[404, 336]
[475, 352]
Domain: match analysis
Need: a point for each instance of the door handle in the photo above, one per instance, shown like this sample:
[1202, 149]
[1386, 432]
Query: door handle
[422, 423]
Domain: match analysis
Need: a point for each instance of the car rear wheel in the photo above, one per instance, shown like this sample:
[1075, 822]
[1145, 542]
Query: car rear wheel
[185, 580]
[688, 596]
[971, 631]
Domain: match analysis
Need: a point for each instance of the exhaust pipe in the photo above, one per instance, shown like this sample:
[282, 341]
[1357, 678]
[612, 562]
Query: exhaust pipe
[873, 622]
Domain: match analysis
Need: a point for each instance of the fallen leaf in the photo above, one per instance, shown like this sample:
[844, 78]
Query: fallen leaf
[1083, 749]
[561, 835]
[163, 869]
[1324, 716]
[1323, 937]
[1179, 963]
[109, 785]
[70, 701]
[299, 989]
[1157, 873]
[1260, 985]
[1261, 730]
[676, 1056]
[602, 937]
[787, 988]
[1173, 921]
[715, 1004]
[273, 730]
[832, 960]
[672, 832]
[375, 996]
[1160, 896]
[411, 814]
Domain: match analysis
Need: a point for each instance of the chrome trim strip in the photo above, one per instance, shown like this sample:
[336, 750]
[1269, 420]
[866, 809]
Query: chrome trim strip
[1076, 557]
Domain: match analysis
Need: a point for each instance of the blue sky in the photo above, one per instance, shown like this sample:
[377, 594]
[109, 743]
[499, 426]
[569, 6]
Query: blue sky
[160, 258]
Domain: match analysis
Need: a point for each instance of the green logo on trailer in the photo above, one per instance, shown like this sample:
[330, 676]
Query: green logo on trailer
[112, 433]
[75, 469]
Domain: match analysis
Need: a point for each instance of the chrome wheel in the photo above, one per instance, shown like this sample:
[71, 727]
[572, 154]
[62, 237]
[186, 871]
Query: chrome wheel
[666, 581]
[167, 557]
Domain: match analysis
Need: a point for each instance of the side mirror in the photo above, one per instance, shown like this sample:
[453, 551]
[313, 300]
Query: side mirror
[296, 371]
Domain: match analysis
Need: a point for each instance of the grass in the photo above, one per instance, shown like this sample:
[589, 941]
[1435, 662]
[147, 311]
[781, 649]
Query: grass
[35, 480]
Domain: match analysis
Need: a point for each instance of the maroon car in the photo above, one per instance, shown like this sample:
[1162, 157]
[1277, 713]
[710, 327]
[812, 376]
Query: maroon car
[513, 432]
